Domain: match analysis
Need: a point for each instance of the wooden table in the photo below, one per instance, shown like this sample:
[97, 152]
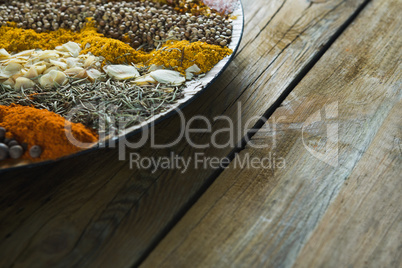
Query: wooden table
[326, 77]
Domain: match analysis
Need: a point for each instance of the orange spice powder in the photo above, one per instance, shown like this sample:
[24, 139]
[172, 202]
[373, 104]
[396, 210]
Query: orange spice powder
[44, 128]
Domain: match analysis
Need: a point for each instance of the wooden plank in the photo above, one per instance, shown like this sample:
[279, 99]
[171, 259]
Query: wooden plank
[362, 228]
[94, 210]
[313, 213]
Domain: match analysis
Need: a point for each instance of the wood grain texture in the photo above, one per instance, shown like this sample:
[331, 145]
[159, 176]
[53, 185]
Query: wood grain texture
[362, 227]
[93, 210]
[309, 213]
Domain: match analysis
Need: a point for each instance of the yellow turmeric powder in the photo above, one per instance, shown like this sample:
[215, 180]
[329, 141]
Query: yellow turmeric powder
[178, 55]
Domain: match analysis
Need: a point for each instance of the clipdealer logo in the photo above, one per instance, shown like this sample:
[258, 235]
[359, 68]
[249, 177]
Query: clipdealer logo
[328, 113]
[187, 130]
[323, 116]
[200, 161]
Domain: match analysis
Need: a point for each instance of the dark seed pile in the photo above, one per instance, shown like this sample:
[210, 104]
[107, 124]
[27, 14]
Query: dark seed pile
[139, 23]
[10, 148]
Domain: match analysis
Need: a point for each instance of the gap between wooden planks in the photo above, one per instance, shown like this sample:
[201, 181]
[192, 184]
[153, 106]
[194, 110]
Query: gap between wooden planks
[94, 210]
[312, 214]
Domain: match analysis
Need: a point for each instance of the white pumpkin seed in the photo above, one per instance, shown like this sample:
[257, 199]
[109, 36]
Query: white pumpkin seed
[73, 48]
[9, 82]
[93, 74]
[53, 78]
[4, 54]
[144, 80]
[190, 71]
[11, 69]
[32, 72]
[121, 72]
[59, 64]
[168, 77]
[22, 82]
[89, 61]
[53, 68]
[47, 54]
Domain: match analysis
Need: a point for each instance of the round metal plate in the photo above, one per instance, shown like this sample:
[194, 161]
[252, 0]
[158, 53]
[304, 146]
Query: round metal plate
[192, 91]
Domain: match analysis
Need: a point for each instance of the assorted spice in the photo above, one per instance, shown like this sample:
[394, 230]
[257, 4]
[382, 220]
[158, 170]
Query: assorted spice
[139, 23]
[103, 65]
[92, 103]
